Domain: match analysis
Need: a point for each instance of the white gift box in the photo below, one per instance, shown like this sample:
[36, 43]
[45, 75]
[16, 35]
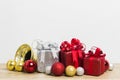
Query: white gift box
[47, 55]
[45, 58]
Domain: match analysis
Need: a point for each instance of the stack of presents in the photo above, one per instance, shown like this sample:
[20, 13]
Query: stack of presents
[70, 58]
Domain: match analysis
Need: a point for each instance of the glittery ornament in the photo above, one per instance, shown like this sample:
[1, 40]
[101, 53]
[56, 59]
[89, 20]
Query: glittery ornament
[111, 66]
[11, 65]
[80, 71]
[70, 71]
[57, 69]
[19, 66]
[30, 66]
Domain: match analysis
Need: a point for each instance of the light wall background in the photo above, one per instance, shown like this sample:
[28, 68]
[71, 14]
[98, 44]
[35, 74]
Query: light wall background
[94, 22]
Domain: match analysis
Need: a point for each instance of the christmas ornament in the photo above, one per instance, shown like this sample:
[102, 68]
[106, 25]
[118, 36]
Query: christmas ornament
[23, 53]
[80, 71]
[70, 71]
[19, 66]
[30, 66]
[111, 66]
[11, 65]
[48, 69]
[57, 69]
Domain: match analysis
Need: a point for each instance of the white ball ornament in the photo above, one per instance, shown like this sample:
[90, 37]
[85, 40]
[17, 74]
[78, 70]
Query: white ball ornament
[111, 66]
[48, 69]
[80, 71]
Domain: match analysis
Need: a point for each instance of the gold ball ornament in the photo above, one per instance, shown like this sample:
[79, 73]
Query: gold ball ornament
[70, 71]
[19, 66]
[11, 65]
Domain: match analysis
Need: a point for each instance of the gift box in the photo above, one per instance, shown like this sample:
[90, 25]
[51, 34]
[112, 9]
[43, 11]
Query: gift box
[47, 54]
[72, 53]
[95, 63]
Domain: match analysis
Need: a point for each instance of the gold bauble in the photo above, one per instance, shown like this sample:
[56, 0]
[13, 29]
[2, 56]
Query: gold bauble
[11, 65]
[70, 70]
[19, 66]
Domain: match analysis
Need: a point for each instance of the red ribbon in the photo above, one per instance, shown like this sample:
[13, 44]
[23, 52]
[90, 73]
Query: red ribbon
[75, 58]
[76, 48]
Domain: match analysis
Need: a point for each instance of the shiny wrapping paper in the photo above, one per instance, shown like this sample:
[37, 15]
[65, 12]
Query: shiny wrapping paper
[95, 63]
[72, 53]
[47, 54]
[48, 59]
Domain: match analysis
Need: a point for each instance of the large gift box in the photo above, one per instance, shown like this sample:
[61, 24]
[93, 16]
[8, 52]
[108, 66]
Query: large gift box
[95, 63]
[72, 53]
[47, 54]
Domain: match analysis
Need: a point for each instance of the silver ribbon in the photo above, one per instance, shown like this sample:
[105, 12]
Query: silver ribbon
[40, 46]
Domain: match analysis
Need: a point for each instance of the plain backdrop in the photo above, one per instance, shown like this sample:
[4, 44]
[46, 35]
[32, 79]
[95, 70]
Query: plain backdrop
[94, 22]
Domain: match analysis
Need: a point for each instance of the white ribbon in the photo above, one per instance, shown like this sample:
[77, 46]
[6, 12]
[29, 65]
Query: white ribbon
[42, 56]
[39, 45]
[54, 50]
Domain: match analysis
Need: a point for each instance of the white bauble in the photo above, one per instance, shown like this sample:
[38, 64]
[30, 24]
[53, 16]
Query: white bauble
[80, 71]
[111, 66]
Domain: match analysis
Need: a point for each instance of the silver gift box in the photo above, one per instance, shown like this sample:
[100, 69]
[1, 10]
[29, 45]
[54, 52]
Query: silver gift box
[45, 58]
[47, 55]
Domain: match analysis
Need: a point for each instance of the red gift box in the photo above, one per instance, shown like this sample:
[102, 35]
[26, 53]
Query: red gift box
[72, 54]
[95, 63]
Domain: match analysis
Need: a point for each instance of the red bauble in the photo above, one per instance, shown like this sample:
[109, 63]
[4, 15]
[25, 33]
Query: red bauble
[30, 66]
[58, 69]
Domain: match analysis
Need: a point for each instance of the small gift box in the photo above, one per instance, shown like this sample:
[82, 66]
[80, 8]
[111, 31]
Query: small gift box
[95, 63]
[47, 54]
[72, 53]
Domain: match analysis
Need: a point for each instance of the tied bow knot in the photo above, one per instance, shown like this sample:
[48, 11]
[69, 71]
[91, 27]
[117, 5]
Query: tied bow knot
[95, 52]
[74, 45]
[42, 47]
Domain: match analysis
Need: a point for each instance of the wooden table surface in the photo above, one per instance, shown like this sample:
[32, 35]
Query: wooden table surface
[13, 75]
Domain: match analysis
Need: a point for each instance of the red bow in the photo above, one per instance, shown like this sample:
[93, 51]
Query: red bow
[98, 52]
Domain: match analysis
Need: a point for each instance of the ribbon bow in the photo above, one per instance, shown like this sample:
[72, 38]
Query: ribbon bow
[95, 52]
[74, 45]
[40, 46]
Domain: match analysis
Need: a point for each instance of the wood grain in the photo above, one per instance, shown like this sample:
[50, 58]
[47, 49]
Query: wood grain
[13, 75]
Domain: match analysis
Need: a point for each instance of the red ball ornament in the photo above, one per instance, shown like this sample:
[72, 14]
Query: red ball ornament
[30, 66]
[58, 69]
